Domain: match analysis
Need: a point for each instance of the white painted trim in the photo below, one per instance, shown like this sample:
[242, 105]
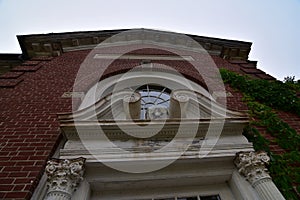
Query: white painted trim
[142, 57]
[174, 80]
[163, 192]
[82, 192]
[241, 188]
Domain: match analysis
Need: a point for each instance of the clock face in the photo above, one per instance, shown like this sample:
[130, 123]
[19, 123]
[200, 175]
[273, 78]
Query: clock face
[155, 101]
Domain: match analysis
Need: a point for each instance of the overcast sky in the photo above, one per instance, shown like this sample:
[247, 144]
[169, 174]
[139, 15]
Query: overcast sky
[273, 26]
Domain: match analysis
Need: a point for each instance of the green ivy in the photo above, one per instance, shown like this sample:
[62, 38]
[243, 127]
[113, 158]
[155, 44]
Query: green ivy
[286, 137]
[292, 83]
[280, 171]
[259, 142]
[261, 97]
[275, 94]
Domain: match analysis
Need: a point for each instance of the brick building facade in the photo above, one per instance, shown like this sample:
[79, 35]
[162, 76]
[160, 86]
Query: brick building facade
[40, 85]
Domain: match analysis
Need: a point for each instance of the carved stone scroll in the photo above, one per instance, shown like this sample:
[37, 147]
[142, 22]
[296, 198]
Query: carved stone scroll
[63, 177]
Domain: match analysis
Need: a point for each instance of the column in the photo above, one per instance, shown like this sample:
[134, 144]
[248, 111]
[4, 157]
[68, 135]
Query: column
[64, 175]
[132, 105]
[179, 101]
[252, 165]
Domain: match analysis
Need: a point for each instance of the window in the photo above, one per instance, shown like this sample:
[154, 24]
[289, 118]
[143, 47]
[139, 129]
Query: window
[211, 197]
[155, 101]
[154, 90]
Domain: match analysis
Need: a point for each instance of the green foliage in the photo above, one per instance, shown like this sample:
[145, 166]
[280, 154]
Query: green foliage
[275, 94]
[292, 83]
[289, 79]
[282, 174]
[286, 137]
[259, 142]
[261, 97]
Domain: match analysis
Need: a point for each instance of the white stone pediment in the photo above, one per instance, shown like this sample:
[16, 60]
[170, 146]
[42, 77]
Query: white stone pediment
[216, 130]
[115, 107]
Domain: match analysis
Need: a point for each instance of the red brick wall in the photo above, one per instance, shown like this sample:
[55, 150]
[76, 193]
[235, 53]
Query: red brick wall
[29, 130]
[31, 98]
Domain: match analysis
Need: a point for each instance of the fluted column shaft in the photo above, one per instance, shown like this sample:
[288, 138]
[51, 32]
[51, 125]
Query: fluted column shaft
[266, 189]
[252, 165]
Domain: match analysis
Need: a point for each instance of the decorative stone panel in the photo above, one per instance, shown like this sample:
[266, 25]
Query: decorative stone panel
[63, 177]
[252, 165]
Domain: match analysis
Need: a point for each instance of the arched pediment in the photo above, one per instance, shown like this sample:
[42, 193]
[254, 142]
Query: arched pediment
[125, 105]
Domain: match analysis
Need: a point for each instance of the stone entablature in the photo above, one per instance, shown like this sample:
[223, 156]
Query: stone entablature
[54, 44]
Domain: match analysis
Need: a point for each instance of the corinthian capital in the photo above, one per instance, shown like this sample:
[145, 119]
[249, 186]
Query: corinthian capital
[64, 176]
[252, 165]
